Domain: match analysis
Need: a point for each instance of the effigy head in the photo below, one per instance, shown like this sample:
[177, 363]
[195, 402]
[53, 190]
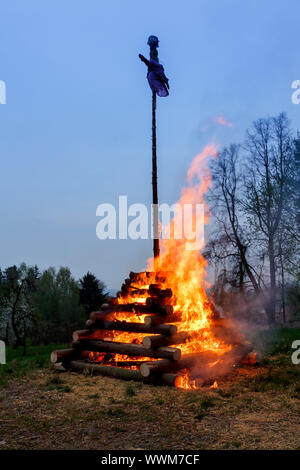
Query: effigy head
[153, 41]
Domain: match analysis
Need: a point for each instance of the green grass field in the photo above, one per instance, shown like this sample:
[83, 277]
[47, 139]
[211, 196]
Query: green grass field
[17, 365]
[276, 341]
[254, 407]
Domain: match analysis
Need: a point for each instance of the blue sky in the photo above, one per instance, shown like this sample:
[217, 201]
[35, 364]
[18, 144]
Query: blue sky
[76, 129]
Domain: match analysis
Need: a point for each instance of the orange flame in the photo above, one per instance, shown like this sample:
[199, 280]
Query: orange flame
[185, 382]
[188, 267]
[186, 276]
[214, 385]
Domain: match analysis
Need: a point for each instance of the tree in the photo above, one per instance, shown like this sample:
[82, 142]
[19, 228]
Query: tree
[231, 242]
[269, 190]
[17, 286]
[252, 200]
[57, 306]
[92, 293]
[4, 315]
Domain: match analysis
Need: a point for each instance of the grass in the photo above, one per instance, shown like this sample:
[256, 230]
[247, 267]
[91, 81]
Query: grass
[129, 391]
[277, 378]
[72, 411]
[18, 366]
[206, 402]
[277, 341]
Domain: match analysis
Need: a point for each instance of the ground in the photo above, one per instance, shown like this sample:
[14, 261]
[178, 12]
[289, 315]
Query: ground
[257, 407]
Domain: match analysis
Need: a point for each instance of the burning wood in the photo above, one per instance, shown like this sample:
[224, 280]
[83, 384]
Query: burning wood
[122, 373]
[128, 349]
[114, 345]
[152, 342]
[156, 291]
[161, 329]
[136, 308]
[153, 320]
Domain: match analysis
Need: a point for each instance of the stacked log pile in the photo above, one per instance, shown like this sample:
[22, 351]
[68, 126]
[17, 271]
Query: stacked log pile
[148, 299]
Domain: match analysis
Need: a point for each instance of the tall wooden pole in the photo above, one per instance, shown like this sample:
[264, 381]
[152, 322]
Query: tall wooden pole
[154, 184]
[159, 84]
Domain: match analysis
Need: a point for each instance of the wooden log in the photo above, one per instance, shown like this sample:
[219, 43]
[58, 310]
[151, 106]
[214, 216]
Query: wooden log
[149, 368]
[121, 373]
[66, 355]
[133, 291]
[111, 371]
[102, 314]
[163, 379]
[153, 320]
[60, 355]
[105, 306]
[91, 333]
[152, 342]
[136, 327]
[80, 334]
[141, 276]
[186, 362]
[132, 307]
[128, 349]
[156, 291]
[200, 362]
[152, 277]
[158, 302]
[125, 289]
[125, 363]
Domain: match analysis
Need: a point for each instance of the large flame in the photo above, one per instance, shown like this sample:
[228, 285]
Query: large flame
[187, 268]
[186, 275]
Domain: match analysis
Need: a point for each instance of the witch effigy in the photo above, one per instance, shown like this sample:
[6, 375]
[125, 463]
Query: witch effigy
[159, 85]
[156, 75]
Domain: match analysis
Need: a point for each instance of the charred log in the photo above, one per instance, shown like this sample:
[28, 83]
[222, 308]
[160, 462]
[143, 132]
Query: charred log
[151, 277]
[152, 342]
[156, 291]
[153, 320]
[67, 355]
[128, 349]
[157, 302]
[163, 329]
[122, 373]
[201, 363]
[132, 307]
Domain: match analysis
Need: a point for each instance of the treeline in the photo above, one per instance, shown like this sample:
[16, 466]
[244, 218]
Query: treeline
[45, 306]
[255, 201]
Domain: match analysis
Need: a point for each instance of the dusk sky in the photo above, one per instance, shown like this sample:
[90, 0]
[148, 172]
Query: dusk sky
[76, 127]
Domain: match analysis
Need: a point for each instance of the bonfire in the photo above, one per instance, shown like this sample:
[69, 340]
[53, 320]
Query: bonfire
[161, 327]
